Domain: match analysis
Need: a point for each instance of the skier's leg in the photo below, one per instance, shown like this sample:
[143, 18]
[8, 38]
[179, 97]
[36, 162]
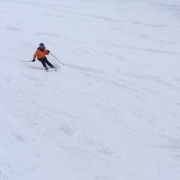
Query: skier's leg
[42, 60]
[48, 63]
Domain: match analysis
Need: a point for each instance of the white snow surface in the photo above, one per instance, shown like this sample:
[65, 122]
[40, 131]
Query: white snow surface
[112, 112]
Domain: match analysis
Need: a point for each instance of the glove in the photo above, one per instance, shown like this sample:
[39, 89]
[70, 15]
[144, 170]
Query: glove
[33, 60]
[48, 51]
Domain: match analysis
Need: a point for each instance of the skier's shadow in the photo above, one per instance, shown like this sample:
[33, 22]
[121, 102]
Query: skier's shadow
[81, 68]
[42, 68]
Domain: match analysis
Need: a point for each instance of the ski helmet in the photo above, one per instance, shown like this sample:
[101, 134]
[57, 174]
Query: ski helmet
[41, 45]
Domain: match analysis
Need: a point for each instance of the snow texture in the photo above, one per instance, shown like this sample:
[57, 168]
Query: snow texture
[112, 112]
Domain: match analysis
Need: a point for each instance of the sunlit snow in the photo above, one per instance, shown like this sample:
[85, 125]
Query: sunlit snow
[112, 112]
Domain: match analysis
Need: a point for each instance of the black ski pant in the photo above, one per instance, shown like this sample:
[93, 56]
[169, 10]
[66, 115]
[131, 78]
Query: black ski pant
[44, 61]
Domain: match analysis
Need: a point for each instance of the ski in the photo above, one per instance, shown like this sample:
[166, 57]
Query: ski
[48, 69]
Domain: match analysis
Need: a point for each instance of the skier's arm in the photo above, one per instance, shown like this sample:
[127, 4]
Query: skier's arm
[35, 55]
[47, 52]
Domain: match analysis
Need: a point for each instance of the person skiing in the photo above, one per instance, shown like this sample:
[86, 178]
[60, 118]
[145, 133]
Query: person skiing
[40, 54]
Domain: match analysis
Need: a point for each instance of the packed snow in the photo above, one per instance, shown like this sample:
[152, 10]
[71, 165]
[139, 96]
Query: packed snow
[112, 112]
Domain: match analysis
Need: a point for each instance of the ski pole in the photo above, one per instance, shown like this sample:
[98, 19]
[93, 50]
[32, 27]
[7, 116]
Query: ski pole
[26, 61]
[57, 59]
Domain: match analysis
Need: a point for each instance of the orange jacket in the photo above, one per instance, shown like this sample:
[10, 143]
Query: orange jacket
[40, 54]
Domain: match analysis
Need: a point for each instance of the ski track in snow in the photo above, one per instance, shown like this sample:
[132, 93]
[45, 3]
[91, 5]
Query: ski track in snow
[112, 112]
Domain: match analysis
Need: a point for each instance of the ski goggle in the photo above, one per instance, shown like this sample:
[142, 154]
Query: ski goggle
[42, 46]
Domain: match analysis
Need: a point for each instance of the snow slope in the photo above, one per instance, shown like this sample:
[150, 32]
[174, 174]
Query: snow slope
[112, 112]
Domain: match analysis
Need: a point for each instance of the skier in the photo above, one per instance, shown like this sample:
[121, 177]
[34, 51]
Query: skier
[40, 54]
